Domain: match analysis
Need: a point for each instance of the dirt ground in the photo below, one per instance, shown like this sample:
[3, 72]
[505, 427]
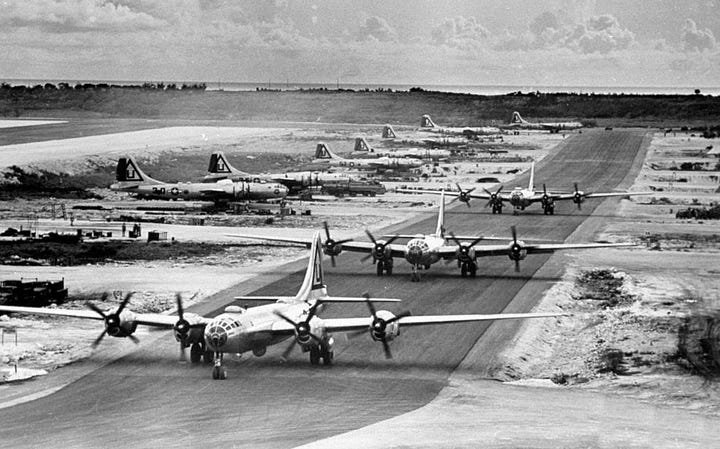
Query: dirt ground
[659, 284]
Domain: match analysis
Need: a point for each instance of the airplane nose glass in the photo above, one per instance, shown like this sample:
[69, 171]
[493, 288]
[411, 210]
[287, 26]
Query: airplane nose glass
[216, 336]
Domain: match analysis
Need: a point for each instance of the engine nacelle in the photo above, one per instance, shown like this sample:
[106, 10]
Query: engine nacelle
[332, 249]
[121, 326]
[517, 251]
[465, 254]
[579, 198]
[547, 201]
[315, 327]
[380, 251]
[189, 332]
[380, 329]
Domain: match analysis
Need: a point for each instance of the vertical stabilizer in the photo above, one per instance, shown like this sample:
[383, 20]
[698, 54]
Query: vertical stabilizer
[531, 184]
[313, 285]
[440, 228]
[362, 145]
[516, 118]
[426, 122]
[388, 132]
[219, 165]
[127, 171]
[323, 152]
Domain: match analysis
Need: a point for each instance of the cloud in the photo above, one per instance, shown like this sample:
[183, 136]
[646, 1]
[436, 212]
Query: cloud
[376, 28]
[694, 39]
[460, 32]
[75, 15]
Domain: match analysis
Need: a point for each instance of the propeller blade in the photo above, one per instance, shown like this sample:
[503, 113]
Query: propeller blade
[498, 190]
[579, 205]
[363, 259]
[475, 242]
[391, 239]
[99, 339]
[370, 305]
[327, 229]
[544, 189]
[455, 239]
[517, 266]
[288, 350]
[124, 303]
[332, 261]
[96, 309]
[386, 349]
[471, 190]
[178, 300]
[134, 339]
[372, 239]
[514, 233]
[487, 191]
[467, 203]
[576, 187]
[183, 356]
[285, 318]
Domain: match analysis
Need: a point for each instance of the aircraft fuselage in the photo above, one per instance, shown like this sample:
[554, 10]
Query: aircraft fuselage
[205, 191]
[423, 250]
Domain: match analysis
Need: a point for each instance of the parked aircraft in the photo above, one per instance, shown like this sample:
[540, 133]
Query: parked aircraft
[421, 251]
[323, 154]
[220, 169]
[521, 198]
[517, 122]
[132, 180]
[361, 146]
[240, 330]
[426, 124]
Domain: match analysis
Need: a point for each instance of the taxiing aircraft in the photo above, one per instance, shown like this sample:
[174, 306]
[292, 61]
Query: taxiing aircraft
[239, 330]
[421, 251]
[517, 122]
[323, 154]
[426, 124]
[220, 169]
[361, 146]
[132, 180]
[521, 198]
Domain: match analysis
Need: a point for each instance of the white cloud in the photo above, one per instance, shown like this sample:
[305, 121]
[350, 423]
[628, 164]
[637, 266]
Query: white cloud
[460, 32]
[694, 39]
[75, 15]
[377, 28]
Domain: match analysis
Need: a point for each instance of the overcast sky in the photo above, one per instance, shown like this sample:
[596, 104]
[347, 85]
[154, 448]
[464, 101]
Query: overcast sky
[477, 42]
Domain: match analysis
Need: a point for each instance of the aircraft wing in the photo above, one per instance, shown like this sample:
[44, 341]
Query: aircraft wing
[352, 246]
[476, 195]
[326, 299]
[355, 324]
[569, 196]
[148, 319]
[503, 250]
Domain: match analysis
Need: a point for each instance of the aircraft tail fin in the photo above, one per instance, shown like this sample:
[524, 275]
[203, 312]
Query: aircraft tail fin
[127, 171]
[531, 184]
[426, 122]
[440, 228]
[313, 286]
[362, 145]
[388, 132]
[517, 118]
[323, 152]
[219, 165]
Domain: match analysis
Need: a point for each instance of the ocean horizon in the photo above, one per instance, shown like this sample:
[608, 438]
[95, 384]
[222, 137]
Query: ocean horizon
[450, 88]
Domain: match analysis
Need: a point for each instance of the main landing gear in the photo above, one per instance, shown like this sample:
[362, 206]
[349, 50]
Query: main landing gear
[497, 208]
[384, 266]
[219, 372]
[549, 209]
[468, 269]
[198, 352]
[318, 352]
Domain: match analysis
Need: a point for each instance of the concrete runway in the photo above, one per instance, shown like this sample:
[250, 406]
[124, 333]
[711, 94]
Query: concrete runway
[148, 399]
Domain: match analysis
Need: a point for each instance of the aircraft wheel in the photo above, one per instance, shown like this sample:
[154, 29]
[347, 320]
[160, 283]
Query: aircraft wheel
[208, 357]
[472, 270]
[388, 269]
[314, 355]
[415, 277]
[196, 353]
[380, 267]
[463, 269]
[327, 357]
[219, 373]
[552, 211]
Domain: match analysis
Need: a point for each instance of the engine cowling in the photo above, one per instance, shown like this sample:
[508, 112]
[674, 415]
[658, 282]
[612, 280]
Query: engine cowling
[332, 248]
[121, 326]
[517, 251]
[381, 251]
[381, 330]
[187, 330]
[465, 253]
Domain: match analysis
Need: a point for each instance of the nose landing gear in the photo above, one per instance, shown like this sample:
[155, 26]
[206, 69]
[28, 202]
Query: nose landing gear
[219, 372]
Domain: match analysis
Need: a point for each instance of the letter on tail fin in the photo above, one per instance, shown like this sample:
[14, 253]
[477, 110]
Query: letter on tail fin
[313, 285]
[218, 164]
[516, 118]
[361, 145]
[322, 151]
[128, 171]
[440, 228]
[426, 122]
[388, 132]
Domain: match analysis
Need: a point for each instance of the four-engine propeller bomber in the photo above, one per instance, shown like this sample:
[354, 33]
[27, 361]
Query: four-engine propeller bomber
[521, 198]
[421, 251]
[241, 330]
[220, 169]
[323, 154]
[132, 180]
